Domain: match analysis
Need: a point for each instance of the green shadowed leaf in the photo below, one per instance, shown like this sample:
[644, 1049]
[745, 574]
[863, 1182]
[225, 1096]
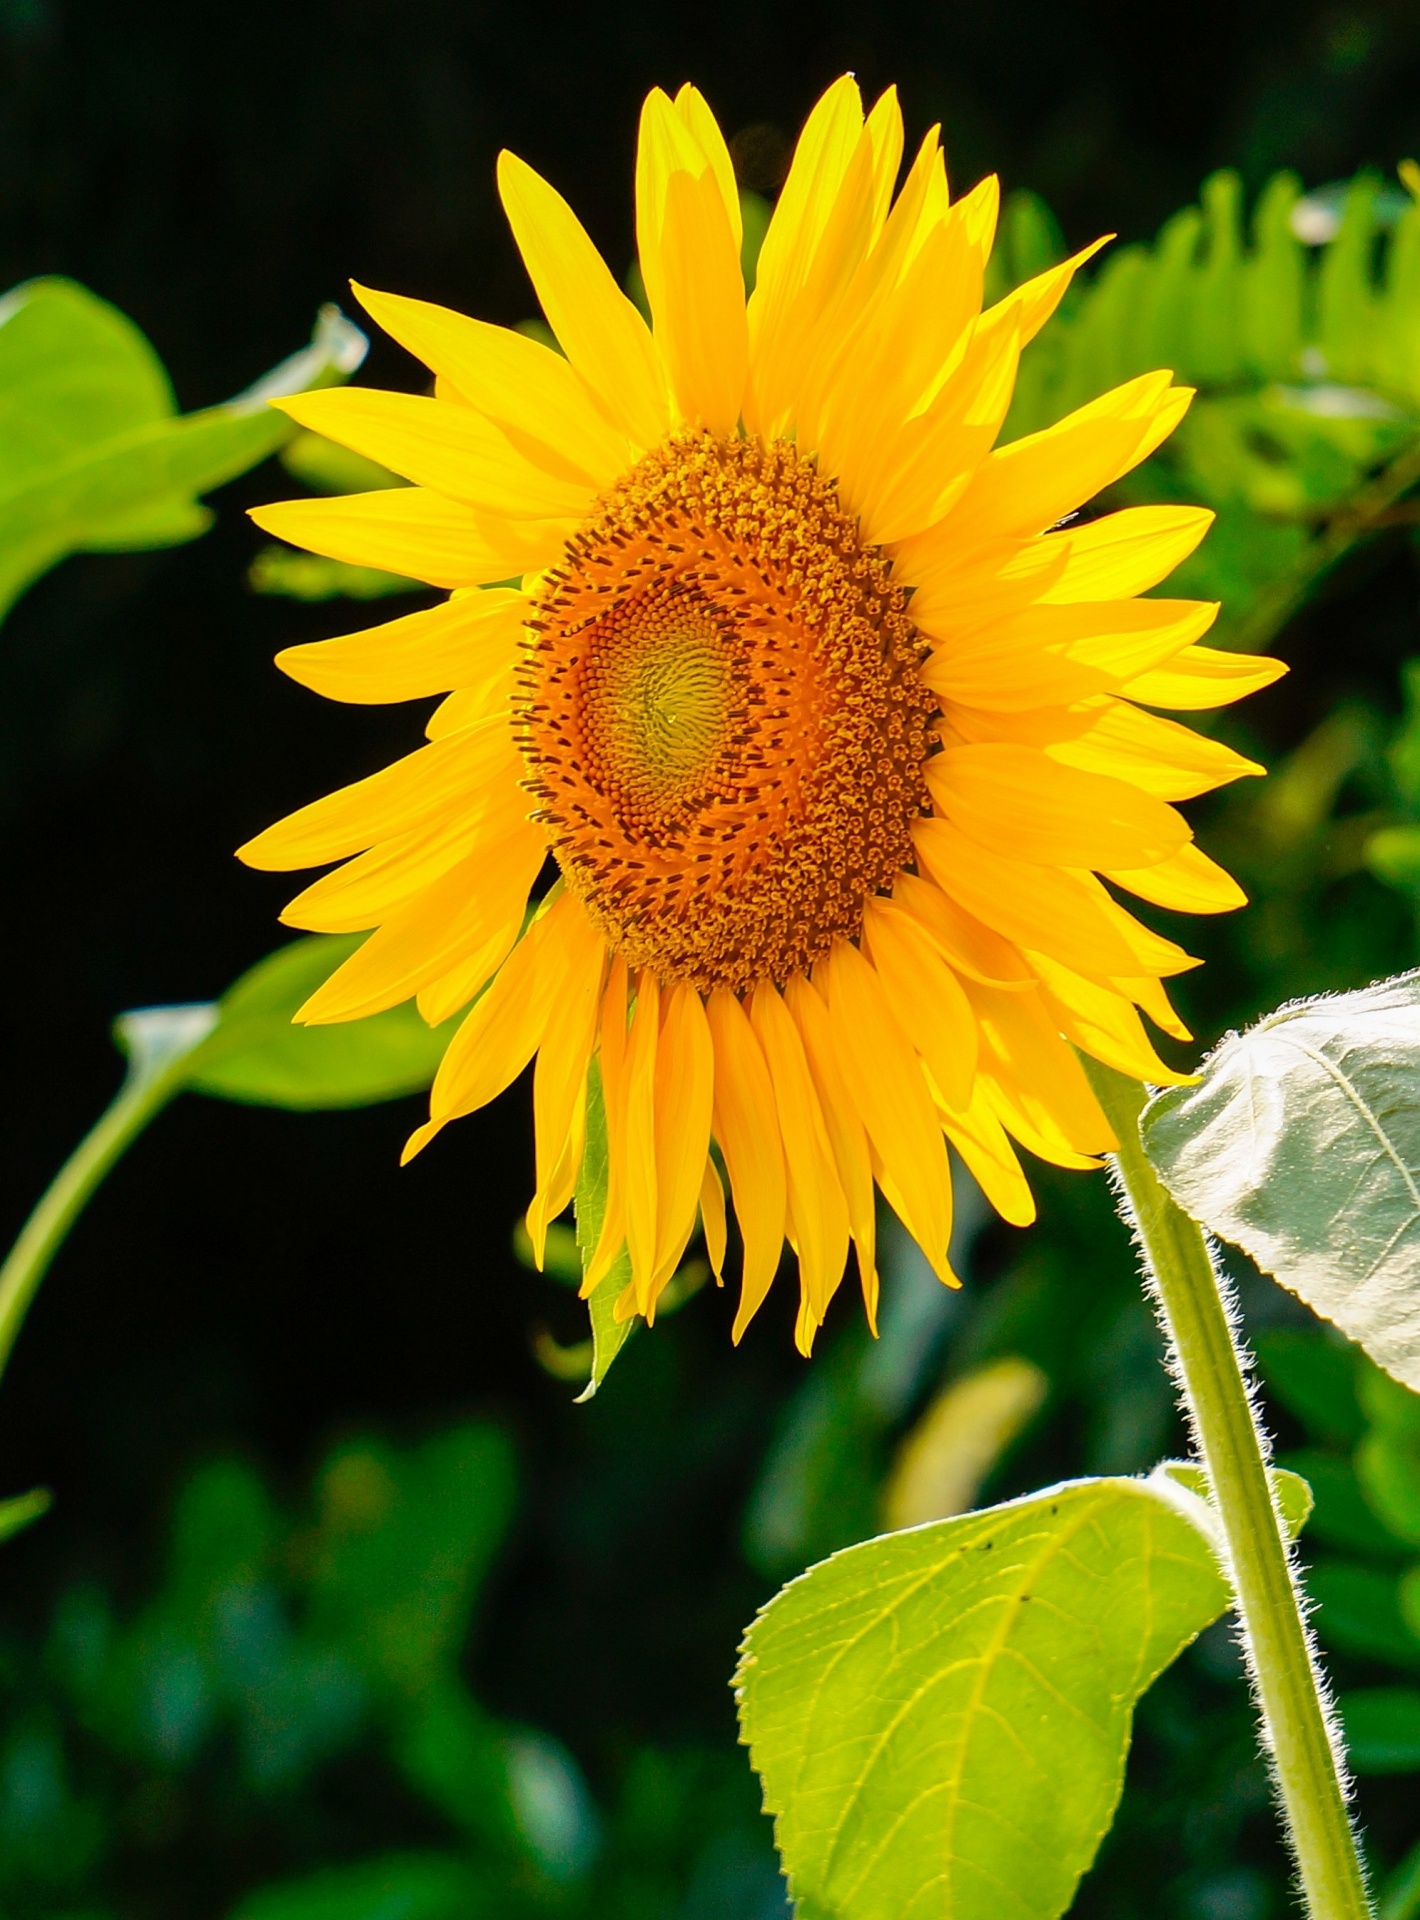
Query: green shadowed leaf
[1301, 1145]
[97, 457]
[396, 1886]
[941, 1717]
[609, 1335]
[254, 1053]
[1382, 1726]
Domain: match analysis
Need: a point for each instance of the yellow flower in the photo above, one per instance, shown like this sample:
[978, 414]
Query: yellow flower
[828, 724]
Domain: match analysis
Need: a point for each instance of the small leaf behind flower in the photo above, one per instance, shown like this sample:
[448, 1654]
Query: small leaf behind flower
[941, 1717]
[254, 1054]
[1301, 1145]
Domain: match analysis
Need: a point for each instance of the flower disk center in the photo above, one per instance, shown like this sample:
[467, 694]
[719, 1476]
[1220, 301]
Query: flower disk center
[721, 715]
[656, 699]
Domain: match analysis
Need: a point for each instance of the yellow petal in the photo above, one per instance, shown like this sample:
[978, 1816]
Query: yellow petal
[1103, 1023]
[442, 997]
[554, 1195]
[461, 643]
[560, 1078]
[815, 1196]
[1158, 756]
[1151, 996]
[1019, 801]
[599, 330]
[501, 1034]
[377, 884]
[1124, 553]
[446, 774]
[1027, 486]
[965, 943]
[916, 475]
[1041, 907]
[685, 1083]
[915, 311]
[422, 535]
[1039, 1080]
[926, 996]
[532, 392]
[641, 1136]
[694, 113]
[1045, 656]
[778, 313]
[463, 913]
[475, 706]
[1203, 677]
[846, 1137]
[748, 1133]
[691, 265]
[1028, 306]
[712, 1219]
[452, 450]
[888, 1087]
[1189, 882]
[983, 1144]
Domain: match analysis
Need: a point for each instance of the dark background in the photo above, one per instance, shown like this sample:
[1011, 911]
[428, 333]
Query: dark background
[267, 1281]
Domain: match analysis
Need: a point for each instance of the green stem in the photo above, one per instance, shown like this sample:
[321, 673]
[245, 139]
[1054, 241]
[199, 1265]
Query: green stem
[142, 1095]
[1234, 1452]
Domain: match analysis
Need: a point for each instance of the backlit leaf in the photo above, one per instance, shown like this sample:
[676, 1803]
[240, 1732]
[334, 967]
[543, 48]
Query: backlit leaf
[97, 457]
[941, 1717]
[1301, 1145]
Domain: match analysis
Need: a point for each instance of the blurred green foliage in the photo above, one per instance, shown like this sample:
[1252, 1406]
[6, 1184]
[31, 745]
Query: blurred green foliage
[292, 1688]
[1298, 326]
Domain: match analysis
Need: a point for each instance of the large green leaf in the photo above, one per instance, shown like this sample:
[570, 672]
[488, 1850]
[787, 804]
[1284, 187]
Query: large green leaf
[941, 1717]
[1301, 1144]
[97, 457]
[254, 1053]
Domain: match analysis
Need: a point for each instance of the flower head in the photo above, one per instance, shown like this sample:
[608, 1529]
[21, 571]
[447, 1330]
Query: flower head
[829, 725]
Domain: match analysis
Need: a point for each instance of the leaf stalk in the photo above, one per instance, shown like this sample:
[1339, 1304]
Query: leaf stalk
[142, 1095]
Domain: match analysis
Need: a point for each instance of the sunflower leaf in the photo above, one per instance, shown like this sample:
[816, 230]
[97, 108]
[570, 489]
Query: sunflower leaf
[254, 1054]
[609, 1335]
[1301, 1145]
[941, 1717]
[97, 457]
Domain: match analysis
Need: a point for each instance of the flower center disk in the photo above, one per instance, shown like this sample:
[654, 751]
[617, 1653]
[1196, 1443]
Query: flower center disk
[721, 715]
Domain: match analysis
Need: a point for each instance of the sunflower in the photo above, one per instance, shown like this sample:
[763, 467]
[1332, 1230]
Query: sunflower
[826, 719]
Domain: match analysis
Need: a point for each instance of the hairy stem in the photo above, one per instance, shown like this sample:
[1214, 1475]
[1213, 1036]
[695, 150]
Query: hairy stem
[1234, 1452]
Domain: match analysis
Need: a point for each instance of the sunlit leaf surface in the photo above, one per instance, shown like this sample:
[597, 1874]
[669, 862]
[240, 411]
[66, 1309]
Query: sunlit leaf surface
[97, 457]
[941, 1717]
[1301, 1145]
